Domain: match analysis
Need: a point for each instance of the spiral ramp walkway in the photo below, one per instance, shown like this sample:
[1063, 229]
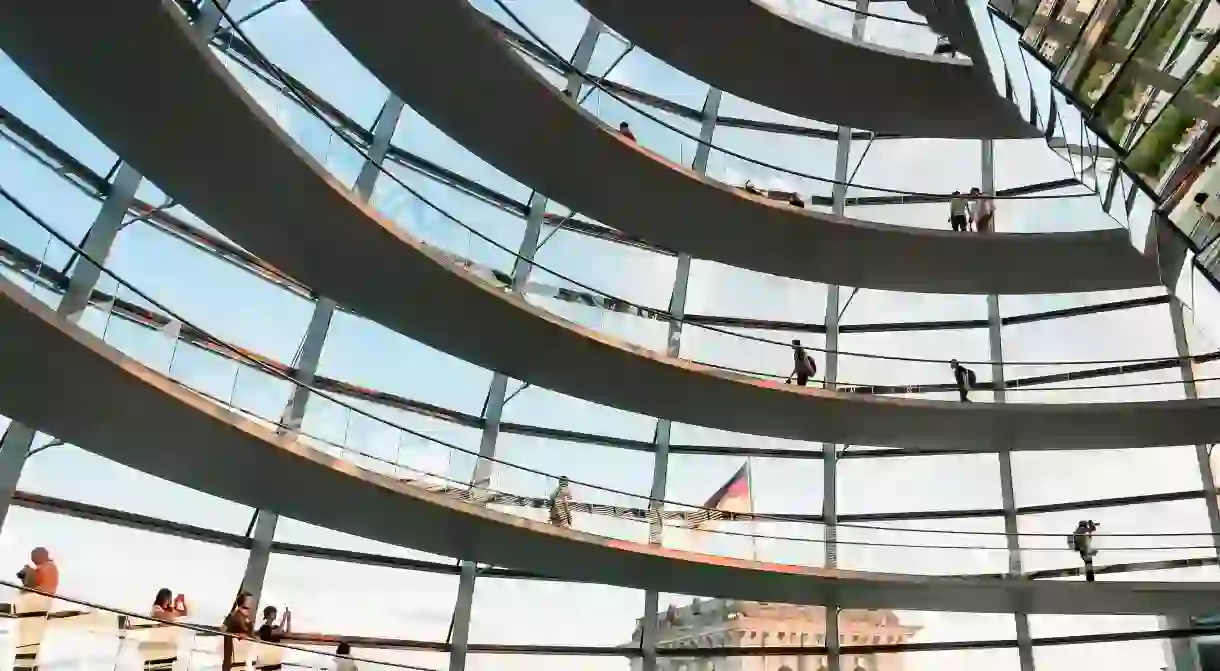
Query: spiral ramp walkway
[807, 71]
[205, 142]
[87, 393]
[504, 111]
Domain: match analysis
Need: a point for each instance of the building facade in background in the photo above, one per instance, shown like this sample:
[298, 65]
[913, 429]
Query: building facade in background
[710, 623]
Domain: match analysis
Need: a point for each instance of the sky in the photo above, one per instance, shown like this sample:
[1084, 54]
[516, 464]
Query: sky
[123, 567]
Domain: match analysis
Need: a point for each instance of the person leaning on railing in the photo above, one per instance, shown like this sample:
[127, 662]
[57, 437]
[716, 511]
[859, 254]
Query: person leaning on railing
[32, 607]
[982, 210]
[237, 623]
[271, 657]
[41, 573]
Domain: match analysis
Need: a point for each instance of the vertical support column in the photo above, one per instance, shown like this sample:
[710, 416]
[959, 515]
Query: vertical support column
[383, 133]
[1191, 391]
[98, 243]
[307, 367]
[209, 18]
[260, 555]
[459, 636]
[995, 338]
[480, 479]
[496, 392]
[311, 352]
[17, 440]
[660, 464]
[582, 56]
[493, 409]
[830, 451]
[14, 448]
[523, 265]
[1181, 654]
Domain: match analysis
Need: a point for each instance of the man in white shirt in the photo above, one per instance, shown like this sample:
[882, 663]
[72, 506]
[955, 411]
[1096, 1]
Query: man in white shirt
[982, 210]
[957, 212]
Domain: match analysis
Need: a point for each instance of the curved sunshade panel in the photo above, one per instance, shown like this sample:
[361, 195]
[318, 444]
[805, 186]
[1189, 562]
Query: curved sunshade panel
[204, 142]
[500, 108]
[80, 390]
[746, 49]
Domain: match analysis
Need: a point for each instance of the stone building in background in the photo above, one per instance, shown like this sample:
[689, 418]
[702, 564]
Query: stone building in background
[710, 623]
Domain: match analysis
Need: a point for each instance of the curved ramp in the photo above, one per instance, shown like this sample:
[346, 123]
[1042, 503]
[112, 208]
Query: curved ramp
[507, 113]
[82, 391]
[206, 143]
[744, 48]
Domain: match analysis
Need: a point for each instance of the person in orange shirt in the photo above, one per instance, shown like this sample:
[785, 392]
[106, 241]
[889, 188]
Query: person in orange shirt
[32, 608]
[41, 574]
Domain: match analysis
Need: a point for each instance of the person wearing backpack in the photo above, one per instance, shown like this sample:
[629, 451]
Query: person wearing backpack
[803, 366]
[1081, 541]
[965, 378]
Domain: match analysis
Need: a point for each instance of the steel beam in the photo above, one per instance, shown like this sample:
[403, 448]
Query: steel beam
[210, 15]
[995, 338]
[830, 451]
[310, 354]
[1191, 391]
[383, 133]
[459, 635]
[661, 437]
[18, 439]
[582, 56]
[98, 243]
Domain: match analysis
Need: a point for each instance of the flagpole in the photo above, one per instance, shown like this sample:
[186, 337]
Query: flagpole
[753, 519]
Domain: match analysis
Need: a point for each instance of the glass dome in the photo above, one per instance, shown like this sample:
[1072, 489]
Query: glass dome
[1121, 102]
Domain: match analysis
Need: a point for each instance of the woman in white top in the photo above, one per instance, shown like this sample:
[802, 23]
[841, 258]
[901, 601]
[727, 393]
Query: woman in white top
[982, 210]
[159, 645]
[168, 607]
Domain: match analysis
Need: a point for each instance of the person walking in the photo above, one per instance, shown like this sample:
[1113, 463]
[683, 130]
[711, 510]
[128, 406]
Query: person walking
[1081, 541]
[982, 210]
[625, 131]
[944, 47]
[803, 366]
[561, 514]
[965, 379]
[958, 218]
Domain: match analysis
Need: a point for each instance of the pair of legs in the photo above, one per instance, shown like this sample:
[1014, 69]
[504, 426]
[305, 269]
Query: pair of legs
[1088, 568]
[983, 225]
[963, 392]
[802, 379]
[959, 222]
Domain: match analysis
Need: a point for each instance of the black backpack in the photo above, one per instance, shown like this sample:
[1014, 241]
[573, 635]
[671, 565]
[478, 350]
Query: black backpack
[971, 378]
